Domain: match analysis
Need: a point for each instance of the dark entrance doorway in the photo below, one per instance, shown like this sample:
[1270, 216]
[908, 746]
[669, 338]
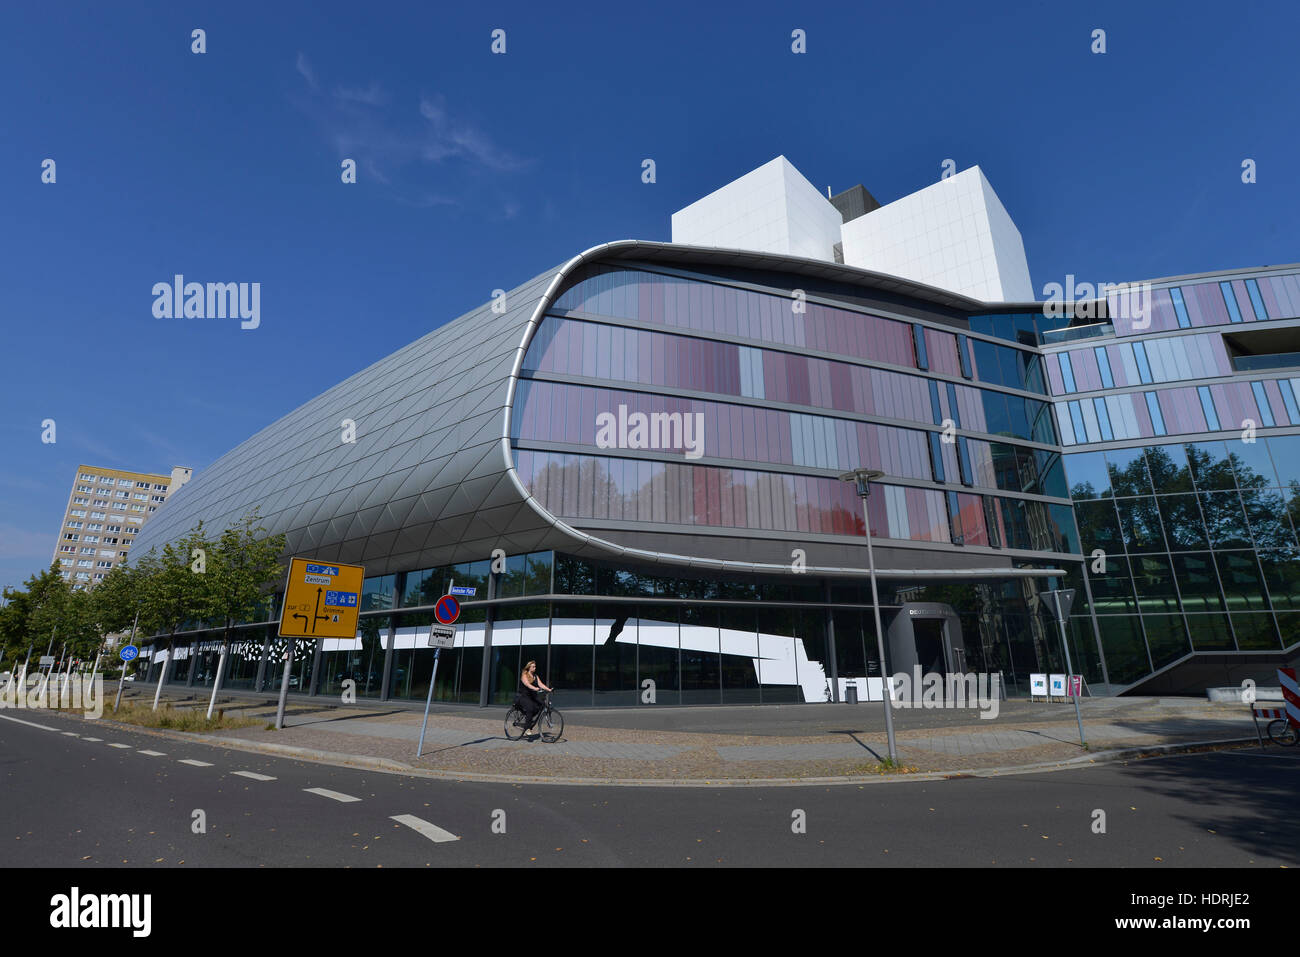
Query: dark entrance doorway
[929, 646]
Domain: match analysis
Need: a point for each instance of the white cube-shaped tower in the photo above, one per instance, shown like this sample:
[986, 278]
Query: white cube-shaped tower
[771, 209]
[954, 234]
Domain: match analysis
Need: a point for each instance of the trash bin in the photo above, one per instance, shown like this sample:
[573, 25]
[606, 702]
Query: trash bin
[851, 692]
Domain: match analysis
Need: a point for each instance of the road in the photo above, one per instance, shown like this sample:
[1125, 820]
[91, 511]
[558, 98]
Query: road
[130, 797]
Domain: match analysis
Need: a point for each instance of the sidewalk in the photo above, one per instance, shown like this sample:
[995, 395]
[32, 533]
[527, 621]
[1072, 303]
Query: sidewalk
[784, 744]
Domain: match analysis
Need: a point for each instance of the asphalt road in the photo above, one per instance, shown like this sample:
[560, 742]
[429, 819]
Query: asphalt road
[75, 802]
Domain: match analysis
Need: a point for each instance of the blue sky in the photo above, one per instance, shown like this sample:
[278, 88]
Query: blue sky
[479, 171]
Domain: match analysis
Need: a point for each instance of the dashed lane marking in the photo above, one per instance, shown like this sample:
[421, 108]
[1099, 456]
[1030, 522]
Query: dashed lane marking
[196, 764]
[424, 828]
[153, 754]
[30, 724]
[332, 795]
[254, 775]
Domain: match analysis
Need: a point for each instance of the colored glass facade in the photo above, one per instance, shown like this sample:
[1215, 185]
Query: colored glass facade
[654, 437]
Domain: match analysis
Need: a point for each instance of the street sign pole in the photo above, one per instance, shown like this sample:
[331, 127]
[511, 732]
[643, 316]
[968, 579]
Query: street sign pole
[1060, 600]
[437, 653]
[121, 678]
[216, 683]
[1070, 687]
[284, 684]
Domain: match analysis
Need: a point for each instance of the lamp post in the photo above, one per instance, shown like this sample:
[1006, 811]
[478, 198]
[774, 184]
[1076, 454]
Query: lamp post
[863, 479]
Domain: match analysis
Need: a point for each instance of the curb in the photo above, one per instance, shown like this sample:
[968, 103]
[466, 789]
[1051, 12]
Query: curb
[398, 767]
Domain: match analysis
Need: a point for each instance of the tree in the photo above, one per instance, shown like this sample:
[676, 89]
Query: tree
[243, 564]
[176, 588]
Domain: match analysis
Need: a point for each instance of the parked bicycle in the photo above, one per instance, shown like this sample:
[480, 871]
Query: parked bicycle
[549, 721]
[1281, 732]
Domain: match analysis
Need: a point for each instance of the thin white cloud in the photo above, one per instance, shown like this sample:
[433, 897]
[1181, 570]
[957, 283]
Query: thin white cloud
[389, 143]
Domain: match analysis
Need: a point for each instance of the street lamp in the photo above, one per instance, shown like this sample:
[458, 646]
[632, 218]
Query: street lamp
[863, 479]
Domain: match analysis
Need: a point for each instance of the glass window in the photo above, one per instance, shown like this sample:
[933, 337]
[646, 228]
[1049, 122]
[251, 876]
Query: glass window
[1256, 300]
[1153, 410]
[572, 643]
[1210, 633]
[1124, 649]
[1099, 527]
[1087, 474]
[1184, 527]
[1211, 468]
[1103, 366]
[1281, 572]
[1198, 582]
[1243, 584]
[1255, 631]
[1285, 451]
[1167, 465]
[1207, 406]
[1267, 518]
[1067, 373]
[1144, 367]
[1128, 472]
[1154, 581]
[1225, 520]
[1180, 309]
[1112, 587]
[1166, 637]
[701, 676]
[1230, 300]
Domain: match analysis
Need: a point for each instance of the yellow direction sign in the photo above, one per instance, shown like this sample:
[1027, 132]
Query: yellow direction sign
[321, 599]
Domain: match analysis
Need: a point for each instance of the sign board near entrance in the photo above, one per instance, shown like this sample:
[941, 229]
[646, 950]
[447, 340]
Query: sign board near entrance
[47, 661]
[1057, 689]
[321, 599]
[1076, 686]
[1038, 686]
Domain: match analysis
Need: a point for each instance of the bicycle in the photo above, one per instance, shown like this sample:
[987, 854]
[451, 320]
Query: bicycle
[1281, 732]
[549, 721]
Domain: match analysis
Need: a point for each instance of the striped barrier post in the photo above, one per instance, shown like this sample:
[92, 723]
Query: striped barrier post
[1267, 714]
[1291, 692]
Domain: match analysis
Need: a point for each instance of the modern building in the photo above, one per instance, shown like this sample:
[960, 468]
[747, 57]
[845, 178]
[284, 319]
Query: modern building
[106, 510]
[635, 460]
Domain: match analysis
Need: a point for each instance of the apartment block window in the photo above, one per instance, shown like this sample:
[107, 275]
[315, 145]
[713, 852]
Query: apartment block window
[153, 508]
[83, 576]
[80, 500]
[68, 548]
[88, 477]
[98, 515]
[83, 488]
[74, 525]
[137, 508]
[1153, 407]
[106, 553]
[87, 551]
[1184, 322]
[101, 502]
[122, 494]
[91, 538]
[1207, 406]
[85, 563]
[120, 506]
[69, 537]
[135, 521]
[95, 527]
[141, 484]
[159, 488]
[99, 577]
[121, 554]
[103, 564]
[1144, 368]
[125, 482]
[159, 498]
[114, 528]
[139, 497]
[79, 512]
[110, 541]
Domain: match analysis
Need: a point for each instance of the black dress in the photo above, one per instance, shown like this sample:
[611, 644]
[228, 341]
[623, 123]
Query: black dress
[528, 702]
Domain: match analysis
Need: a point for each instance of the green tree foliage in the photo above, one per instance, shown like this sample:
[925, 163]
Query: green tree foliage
[244, 563]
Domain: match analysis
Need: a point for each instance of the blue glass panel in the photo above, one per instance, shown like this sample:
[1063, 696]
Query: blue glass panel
[1230, 300]
[1176, 295]
[1153, 407]
[1207, 406]
[1261, 399]
[1144, 369]
[1103, 365]
[1067, 373]
[1256, 299]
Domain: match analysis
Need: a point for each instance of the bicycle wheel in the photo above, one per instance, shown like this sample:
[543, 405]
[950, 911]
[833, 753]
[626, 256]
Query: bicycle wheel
[551, 724]
[515, 731]
[1281, 732]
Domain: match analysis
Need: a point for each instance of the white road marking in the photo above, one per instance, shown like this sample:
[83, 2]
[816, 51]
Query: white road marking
[423, 827]
[112, 745]
[96, 740]
[332, 795]
[153, 754]
[197, 764]
[254, 775]
[72, 734]
[30, 724]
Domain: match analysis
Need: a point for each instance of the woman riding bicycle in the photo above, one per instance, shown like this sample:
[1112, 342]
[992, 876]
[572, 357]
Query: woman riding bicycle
[529, 702]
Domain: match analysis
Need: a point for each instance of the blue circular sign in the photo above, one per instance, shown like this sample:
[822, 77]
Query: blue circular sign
[128, 652]
[447, 610]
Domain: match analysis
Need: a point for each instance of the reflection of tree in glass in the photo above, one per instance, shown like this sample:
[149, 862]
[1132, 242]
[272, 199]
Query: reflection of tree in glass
[1265, 508]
